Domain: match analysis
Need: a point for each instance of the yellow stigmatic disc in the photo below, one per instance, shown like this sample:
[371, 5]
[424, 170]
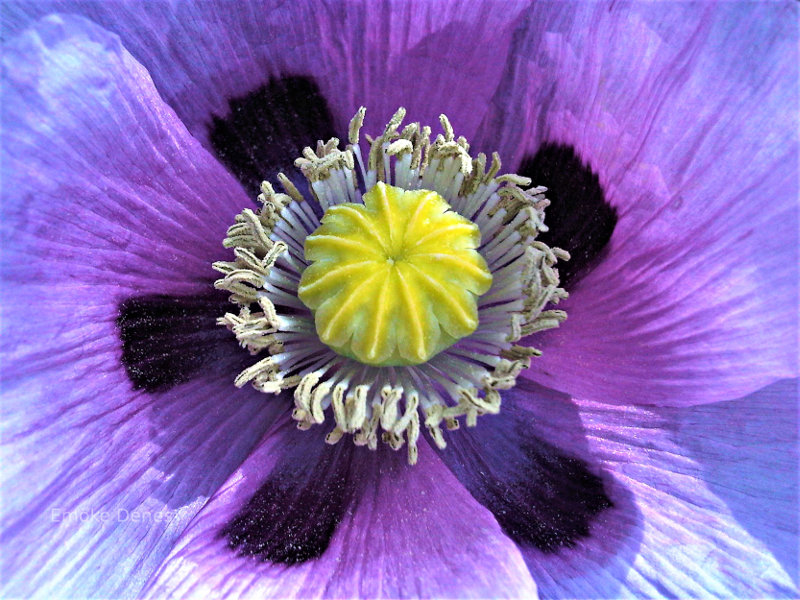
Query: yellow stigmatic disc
[396, 280]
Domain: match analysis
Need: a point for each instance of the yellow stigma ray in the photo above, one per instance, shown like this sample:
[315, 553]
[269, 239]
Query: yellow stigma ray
[396, 280]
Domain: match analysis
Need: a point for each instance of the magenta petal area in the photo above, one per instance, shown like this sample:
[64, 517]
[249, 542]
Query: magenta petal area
[107, 199]
[301, 519]
[431, 57]
[705, 498]
[687, 113]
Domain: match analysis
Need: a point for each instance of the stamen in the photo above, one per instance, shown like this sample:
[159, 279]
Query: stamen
[387, 366]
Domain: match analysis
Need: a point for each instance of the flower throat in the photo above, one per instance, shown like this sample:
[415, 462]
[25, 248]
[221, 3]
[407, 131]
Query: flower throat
[401, 306]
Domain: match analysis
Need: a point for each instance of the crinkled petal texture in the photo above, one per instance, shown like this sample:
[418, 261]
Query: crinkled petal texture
[704, 498]
[107, 199]
[684, 112]
[301, 519]
[602, 501]
[687, 112]
[381, 55]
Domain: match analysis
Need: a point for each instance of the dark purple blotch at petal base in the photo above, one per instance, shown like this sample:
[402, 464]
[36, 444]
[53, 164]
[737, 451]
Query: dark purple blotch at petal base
[579, 218]
[294, 514]
[540, 495]
[167, 340]
[267, 129]
[553, 507]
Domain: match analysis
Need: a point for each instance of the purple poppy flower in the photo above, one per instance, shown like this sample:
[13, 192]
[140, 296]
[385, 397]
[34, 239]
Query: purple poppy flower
[650, 451]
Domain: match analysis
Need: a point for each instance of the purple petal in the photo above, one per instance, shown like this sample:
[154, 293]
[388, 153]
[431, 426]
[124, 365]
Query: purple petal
[303, 519]
[705, 499]
[96, 161]
[106, 197]
[687, 113]
[543, 496]
[267, 129]
[293, 515]
[749, 460]
[202, 55]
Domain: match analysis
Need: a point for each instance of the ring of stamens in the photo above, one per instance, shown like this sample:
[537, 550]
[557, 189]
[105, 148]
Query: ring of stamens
[391, 401]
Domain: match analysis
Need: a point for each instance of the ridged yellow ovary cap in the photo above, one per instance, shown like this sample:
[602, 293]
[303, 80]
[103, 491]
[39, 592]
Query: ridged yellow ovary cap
[396, 280]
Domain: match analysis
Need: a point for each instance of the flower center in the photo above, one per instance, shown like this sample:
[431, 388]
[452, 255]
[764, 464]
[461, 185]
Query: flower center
[394, 281]
[400, 308]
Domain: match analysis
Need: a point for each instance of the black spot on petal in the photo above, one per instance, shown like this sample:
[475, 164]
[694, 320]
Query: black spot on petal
[540, 495]
[294, 514]
[167, 340]
[267, 129]
[580, 219]
[552, 503]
